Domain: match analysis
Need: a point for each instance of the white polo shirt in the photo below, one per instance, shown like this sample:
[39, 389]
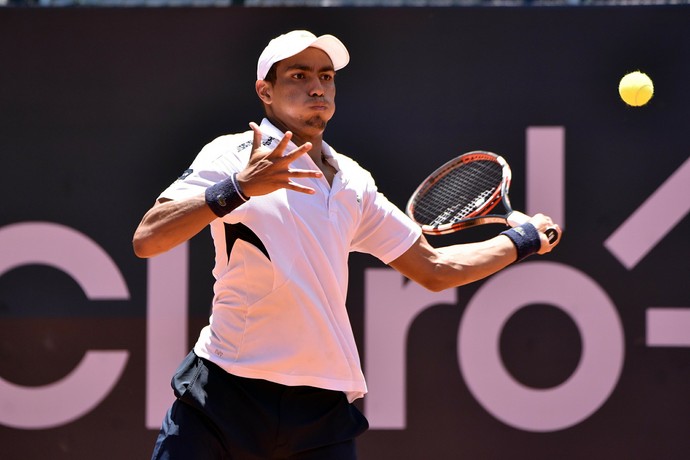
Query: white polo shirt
[279, 309]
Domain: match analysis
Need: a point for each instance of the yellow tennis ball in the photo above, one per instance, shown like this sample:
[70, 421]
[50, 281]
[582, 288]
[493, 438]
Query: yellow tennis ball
[636, 88]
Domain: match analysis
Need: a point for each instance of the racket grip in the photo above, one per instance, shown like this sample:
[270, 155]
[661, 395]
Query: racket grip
[516, 218]
[551, 234]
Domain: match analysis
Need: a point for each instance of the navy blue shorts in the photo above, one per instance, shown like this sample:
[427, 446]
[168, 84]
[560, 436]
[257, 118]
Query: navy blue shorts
[221, 416]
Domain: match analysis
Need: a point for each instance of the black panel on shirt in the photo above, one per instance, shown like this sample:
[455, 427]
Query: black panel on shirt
[234, 232]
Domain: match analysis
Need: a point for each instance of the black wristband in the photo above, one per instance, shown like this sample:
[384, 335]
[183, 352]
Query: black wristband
[526, 240]
[224, 196]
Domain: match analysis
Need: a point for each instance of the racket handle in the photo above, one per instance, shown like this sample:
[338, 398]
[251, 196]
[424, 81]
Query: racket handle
[551, 234]
[516, 218]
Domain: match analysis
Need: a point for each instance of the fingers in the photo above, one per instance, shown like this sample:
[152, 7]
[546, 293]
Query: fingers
[294, 186]
[269, 169]
[256, 141]
[291, 156]
[279, 150]
[257, 144]
[301, 173]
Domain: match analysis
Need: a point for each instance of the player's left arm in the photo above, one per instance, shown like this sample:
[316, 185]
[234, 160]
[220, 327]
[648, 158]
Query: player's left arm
[441, 268]
[452, 266]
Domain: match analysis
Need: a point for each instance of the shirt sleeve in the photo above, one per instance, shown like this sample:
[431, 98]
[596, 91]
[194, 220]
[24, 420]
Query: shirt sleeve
[215, 162]
[385, 232]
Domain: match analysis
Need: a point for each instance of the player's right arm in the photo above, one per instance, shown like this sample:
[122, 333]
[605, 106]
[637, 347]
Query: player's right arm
[169, 223]
[172, 222]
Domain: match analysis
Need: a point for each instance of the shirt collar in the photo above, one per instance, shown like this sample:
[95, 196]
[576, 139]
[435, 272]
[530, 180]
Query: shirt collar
[272, 135]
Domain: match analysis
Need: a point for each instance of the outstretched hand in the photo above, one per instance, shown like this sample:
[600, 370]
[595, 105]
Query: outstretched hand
[269, 170]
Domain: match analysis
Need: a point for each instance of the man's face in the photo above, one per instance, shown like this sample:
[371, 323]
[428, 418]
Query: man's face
[303, 96]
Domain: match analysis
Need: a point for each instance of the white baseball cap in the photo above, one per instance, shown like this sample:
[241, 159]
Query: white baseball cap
[295, 42]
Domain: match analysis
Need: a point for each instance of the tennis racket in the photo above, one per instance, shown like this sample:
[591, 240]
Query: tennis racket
[463, 193]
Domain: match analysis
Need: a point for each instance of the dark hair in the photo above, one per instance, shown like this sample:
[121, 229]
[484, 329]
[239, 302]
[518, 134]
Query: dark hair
[271, 75]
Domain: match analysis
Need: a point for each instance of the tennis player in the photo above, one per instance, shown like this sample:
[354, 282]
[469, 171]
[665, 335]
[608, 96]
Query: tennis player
[274, 374]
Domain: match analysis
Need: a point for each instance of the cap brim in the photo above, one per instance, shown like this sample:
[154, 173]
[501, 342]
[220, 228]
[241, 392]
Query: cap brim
[295, 42]
[335, 50]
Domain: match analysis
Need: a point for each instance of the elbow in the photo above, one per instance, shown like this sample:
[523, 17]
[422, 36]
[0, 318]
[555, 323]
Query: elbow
[143, 248]
[140, 249]
[147, 245]
[436, 285]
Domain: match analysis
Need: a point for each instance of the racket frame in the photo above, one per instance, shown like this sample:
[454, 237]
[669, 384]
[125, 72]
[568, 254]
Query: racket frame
[479, 216]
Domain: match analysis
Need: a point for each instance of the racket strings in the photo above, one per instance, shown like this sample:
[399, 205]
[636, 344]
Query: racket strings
[461, 192]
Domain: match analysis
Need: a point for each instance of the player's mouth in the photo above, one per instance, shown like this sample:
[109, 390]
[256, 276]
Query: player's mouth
[318, 104]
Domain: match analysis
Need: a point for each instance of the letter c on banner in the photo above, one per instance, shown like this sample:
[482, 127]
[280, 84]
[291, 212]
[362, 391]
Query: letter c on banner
[68, 399]
[601, 362]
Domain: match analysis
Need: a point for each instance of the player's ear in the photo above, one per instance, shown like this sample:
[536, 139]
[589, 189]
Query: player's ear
[264, 90]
